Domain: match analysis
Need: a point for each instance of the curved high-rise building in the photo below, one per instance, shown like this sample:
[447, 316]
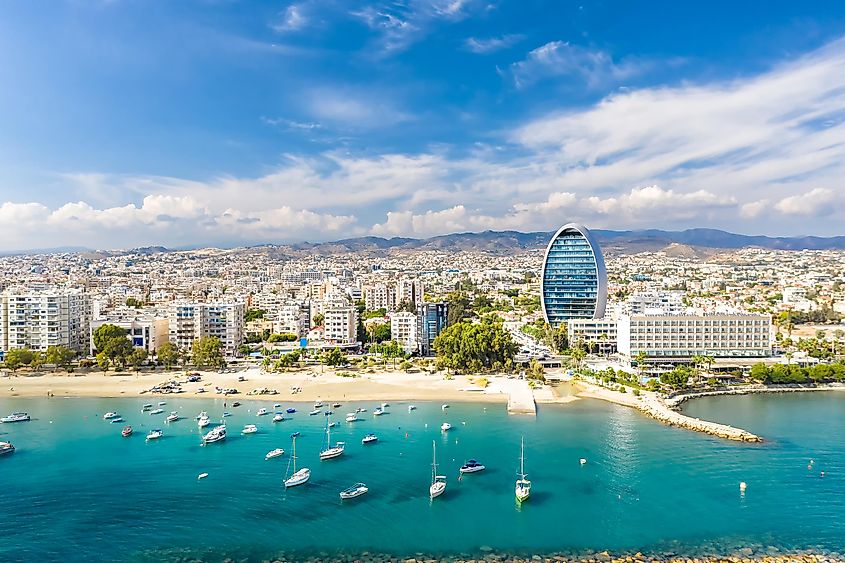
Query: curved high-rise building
[574, 282]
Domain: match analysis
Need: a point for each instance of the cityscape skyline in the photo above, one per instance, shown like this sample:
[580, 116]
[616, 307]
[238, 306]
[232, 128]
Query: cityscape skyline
[209, 123]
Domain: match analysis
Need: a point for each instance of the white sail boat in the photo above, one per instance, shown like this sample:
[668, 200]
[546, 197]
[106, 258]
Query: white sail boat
[298, 477]
[331, 451]
[523, 485]
[438, 482]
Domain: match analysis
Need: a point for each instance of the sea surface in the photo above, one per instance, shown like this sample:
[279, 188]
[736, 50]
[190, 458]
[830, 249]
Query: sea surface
[75, 490]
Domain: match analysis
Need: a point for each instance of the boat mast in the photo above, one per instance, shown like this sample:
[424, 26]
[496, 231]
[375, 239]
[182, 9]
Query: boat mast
[522, 459]
[433, 461]
[293, 457]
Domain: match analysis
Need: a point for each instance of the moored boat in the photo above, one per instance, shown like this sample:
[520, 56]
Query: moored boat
[314, 412]
[155, 434]
[290, 410]
[203, 422]
[352, 417]
[126, 432]
[438, 482]
[445, 427]
[249, 429]
[523, 485]
[172, 417]
[110, 415]
[299, 477]
[355, 490]
[156, 411]
[146, 407]
[278, 417]
[378, 411]
[412, 408]
[329, 451]
[261, 412]
[274, 453]
[6, 448]
[369, 439]
[216, 434]
[472, 466]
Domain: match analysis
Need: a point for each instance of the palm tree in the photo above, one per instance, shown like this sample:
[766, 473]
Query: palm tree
[641, 358]
[697, 360]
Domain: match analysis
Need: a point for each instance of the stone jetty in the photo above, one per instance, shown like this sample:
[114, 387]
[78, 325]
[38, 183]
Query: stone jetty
[657, 409]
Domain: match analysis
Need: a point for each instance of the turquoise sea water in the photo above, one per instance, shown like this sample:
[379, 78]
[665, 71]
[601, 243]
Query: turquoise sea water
[76, 490]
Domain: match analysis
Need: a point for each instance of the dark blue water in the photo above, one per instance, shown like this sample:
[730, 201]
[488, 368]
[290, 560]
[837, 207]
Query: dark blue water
[76, 490]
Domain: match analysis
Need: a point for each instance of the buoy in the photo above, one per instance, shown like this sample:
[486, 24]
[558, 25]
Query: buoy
[822, 473]
[202, 476]
[742, 486]
[583, 461]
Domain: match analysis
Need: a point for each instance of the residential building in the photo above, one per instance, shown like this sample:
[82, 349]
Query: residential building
[403, 329]
[573, 284]
[595, 334]
[190, 321]
[145, 330]
[380, 296]
[40, 319]
[431, 320]
[340, 325]
[410, 290]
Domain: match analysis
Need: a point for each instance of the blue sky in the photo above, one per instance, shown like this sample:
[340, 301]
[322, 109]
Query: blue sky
[132, 122]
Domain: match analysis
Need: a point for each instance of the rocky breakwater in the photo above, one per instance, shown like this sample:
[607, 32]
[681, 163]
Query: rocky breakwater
[657, 409]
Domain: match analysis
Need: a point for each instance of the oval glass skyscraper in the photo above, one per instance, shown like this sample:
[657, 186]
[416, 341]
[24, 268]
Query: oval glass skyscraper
[574, 282]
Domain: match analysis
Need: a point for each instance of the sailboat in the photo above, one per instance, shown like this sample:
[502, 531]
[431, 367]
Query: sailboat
[523, 485]
[331, 451]
[299, 477]
[438, 482]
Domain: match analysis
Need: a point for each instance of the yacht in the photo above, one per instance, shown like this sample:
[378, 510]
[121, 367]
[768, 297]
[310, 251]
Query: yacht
[445, 427]
[155, 434]
[203, 414]
[278, 417]
[378, 411]
[216, 434]
[412, 408]
[290, 410]
[369, 439]
[355, 490]
[314, 412]
[117, 420]
[329, 451]
[203, 422]
[523, 485]
[261, 412]
[156, 411]
[472, 466]
[110, 415]
[352, 417]
[172, 417]
[298, 477]
[249, 429]
[6, 448]
[438, 482]
[146, 407]
[274, 453]
[126, 432]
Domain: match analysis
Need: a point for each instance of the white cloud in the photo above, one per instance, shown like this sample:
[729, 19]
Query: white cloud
[815, 203]
[492, 44]
[293, 19]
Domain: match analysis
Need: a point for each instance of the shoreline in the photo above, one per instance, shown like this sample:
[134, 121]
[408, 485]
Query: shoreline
[754, 389]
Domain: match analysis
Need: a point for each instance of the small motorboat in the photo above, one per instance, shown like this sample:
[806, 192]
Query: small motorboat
[355, 490]
[332, 424]
[278, 417]
[444, 407]
[172, 417]
[360, 410]
[290, 410]
[156, 411]
[261, 412]
[314, 412]
[369, 439]
[162, 403]
[225, 414]
[110, 415]
[294, 434]
[236, 404]
[274, 453]
[352, 417]
[384, 405]
[203, 414]
[472, 466]
[336, 405]
[378, 411]
[249, 429]
[146, 407]
[318, 405]
[445, 427]
[15, 417]
[216, 434]
[277, 406]
[202, 476]
[203, 422]
[6, 448]
[328, 413]
[126, 432]
[155, 434]
[411, 408]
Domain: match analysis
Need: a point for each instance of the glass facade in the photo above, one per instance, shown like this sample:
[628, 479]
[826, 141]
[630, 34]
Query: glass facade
[574, 282]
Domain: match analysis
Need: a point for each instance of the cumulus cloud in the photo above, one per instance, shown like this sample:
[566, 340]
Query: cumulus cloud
[817, 202]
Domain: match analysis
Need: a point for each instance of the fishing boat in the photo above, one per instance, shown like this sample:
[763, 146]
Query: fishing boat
[261, 412]
[146, 407]
[445, 427]
[472, 466]
[352, 417]
[216, 434]
[155, 434]
[278, 417]
[126, 432]
[523, 485]
[355, 490]
[369, 439]
[314, 412]
[110, 415]
[203, 422]
[329, 451]
[156, 411]
[274, 453]
[378, 411]
[249, 429]
[438, 482]
[297, 477]
[6, 448]
[172, 417]
[290, 410]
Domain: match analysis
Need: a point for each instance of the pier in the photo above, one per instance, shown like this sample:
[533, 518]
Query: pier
[521, 398]
[658, 410]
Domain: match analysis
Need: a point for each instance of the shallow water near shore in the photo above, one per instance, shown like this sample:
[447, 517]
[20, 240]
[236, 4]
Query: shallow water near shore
[76, 490]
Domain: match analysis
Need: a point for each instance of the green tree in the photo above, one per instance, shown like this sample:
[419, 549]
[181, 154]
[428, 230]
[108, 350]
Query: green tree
[578, 354]
[458, 307]
[318, 319]
[378, 332]
[536, 371]
[208, 351]
[254, 314]
[474, 346]
[118, 350]
[59, 356]
[17, 357]
[37, 360]
[406, 305]
[168, 354]
[137, 357]
[283, 337]
[333, 357]
[103, 361]
[103, 334]
[134, 302]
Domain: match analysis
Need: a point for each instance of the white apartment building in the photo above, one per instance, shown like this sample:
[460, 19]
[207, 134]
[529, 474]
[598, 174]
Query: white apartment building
[40, 319]
[403, 329]
[380, 296]
[190, 321]
[147, 331]
[410, 290]
[679, 337]
[655, 303]
[340, 325]
[594, 333]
